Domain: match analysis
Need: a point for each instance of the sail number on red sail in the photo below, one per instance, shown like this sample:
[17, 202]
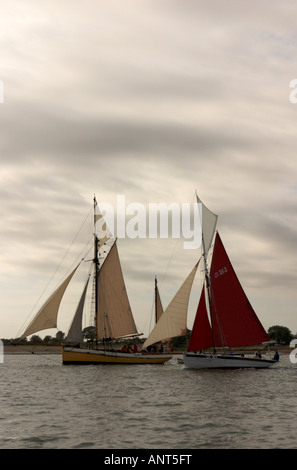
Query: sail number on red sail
[220, 272]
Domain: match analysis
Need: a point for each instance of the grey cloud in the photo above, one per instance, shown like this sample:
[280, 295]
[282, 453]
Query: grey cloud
[152, 100]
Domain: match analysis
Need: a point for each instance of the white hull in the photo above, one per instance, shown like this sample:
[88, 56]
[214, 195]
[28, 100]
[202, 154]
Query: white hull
[224, 361]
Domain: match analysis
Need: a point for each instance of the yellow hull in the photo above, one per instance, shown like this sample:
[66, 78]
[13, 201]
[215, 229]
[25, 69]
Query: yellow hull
[89, 356]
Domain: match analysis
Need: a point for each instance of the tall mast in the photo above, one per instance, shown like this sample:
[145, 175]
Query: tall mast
[156, 311]
[208, 289]
[207, 279]
[96, 270]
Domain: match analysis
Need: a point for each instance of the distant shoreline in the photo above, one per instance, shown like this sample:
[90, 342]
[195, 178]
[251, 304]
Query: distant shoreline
[32, 349]
[56, 349]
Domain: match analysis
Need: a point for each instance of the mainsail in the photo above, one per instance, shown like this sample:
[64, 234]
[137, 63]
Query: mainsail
[173, 321]
[46, 317]
[201, 337]
[234, 321]
[115, 317]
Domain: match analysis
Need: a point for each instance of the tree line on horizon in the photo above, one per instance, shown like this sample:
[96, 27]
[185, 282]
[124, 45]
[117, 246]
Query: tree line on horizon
[280, 334]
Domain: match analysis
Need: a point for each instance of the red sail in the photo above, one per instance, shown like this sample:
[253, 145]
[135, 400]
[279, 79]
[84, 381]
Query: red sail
[201, 337]
[233, 319]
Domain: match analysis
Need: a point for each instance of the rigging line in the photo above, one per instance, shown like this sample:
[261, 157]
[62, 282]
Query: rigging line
[151, 317]
[88, 277]
[147, 321]
[57, 268]
[78, 257]
[167, 267]
[174, 249]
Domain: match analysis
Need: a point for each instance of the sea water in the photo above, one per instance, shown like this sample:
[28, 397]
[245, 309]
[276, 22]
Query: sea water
[45, 405]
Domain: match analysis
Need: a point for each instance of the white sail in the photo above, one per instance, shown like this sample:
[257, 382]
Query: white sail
[46, 317]
[75, 330]
[209, 222]
[115, 317]
[173, 321]
[103, 233]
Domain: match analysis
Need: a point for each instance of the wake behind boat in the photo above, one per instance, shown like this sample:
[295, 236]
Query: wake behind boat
[225, 318]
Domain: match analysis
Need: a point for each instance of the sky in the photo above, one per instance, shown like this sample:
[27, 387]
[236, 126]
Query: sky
[152, 100]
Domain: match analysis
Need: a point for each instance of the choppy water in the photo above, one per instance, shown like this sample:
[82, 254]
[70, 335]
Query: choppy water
[46, 405]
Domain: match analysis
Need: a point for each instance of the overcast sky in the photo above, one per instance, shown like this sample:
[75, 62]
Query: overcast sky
[153, 100]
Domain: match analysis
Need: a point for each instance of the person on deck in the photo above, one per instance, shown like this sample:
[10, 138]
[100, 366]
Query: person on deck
[276, 356]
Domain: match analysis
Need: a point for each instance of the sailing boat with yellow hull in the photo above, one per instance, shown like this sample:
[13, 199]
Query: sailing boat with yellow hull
[113, 316]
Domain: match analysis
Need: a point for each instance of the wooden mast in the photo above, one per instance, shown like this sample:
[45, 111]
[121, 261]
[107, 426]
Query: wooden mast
[96, 271]
[156, 300]
[208, 289]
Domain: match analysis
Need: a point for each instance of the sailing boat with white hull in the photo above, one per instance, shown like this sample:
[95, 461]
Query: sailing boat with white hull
[225, 318]
[113, 316]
